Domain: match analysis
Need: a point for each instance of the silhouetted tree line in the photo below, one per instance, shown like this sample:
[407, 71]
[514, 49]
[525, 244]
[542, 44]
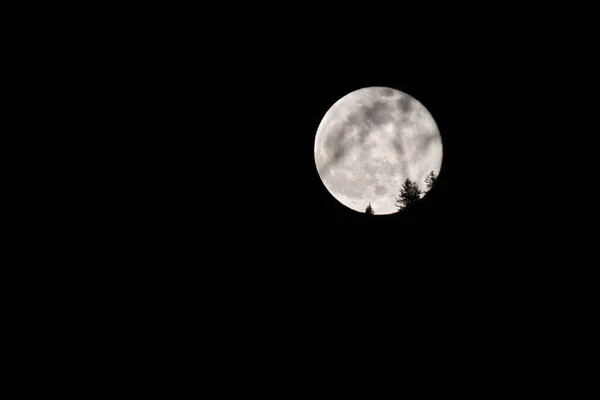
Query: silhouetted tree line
[410, 193]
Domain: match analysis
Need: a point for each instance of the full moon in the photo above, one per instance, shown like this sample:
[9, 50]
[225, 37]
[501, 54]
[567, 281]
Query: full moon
[370, 141]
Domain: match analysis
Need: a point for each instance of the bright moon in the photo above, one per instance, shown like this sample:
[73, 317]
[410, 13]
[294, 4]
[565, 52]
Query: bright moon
[370, 141]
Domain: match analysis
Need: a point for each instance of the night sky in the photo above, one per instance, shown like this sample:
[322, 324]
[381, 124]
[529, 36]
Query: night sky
[213, 221]
[231, 170]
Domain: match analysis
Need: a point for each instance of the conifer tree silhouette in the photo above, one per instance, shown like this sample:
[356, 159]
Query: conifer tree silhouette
[430, 180]
[410, 194]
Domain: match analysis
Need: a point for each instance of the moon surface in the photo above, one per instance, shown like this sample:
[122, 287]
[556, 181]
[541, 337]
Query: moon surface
[370, 141]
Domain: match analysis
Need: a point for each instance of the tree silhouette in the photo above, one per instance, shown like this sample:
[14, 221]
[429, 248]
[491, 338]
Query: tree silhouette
[369, 210]
[410, 194]
[430, 180]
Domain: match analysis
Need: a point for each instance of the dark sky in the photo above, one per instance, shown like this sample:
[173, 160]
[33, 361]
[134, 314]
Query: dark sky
[232, 162]
[204, 227]
[219, 224]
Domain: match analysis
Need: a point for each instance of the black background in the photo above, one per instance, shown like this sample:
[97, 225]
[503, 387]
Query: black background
[226, 164]
[206, 228]
[182, 233]
[221, 213]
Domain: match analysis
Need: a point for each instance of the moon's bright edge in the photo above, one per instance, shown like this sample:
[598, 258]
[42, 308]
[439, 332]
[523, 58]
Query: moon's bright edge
[370, 141]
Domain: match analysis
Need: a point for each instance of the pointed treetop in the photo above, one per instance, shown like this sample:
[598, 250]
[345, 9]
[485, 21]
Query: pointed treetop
[410, 194]
[430, 180]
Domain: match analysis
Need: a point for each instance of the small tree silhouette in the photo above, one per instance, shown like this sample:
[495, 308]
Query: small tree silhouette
[410, 194]
[430, 180]
[369, 210]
